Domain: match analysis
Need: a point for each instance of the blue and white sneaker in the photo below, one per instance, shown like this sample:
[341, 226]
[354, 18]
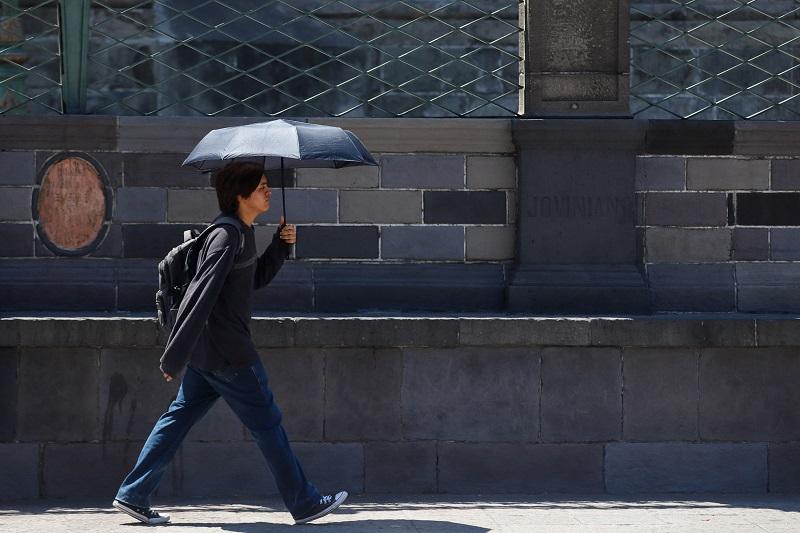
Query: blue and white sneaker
[142, 514]
[326, 504]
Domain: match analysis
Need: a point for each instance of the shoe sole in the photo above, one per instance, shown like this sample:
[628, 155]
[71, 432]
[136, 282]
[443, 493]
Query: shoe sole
[325, 511]
[141, 518]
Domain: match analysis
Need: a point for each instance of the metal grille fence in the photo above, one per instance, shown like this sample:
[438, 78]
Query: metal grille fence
[30, 61]
[715, 59]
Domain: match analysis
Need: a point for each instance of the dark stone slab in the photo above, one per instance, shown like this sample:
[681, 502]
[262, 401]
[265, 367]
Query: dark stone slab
[297, 380]
[423, 171]
[750, 244]
[660, 173]
[523, 331]
[581, 394]
[64, 132]
[471, 468]
[750, 394]
[400, 467]
[685, 467]
[68, 410]
[768, 287]
[141, 204]
[711, 137]
[9, 362]
[291, 290]
[337, 242]
[362, 395]
[784, 467]
[447, 396]
[784, 244]
[161, 170]
[347, 332]
[768, 209]
[137, 296]
[672, 332]
[419, 287]
[40, 296]
[686, 209]
[240, 471]
[17, 240]
[778, 332]
[109, 162]
[81, 332]
[20, 479]
[153, 240]
[692, 287]
[17, 168]
[464, 207]
[220, 424]
[660, 394]
[785, 175]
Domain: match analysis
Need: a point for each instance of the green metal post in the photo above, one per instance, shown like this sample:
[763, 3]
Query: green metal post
[74, 21]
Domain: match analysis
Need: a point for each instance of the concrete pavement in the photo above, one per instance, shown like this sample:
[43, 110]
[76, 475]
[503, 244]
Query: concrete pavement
[433, 513]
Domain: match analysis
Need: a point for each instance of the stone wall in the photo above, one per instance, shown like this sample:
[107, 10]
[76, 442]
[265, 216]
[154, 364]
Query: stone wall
[421, 405]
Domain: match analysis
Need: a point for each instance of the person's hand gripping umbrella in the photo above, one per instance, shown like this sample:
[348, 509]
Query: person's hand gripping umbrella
[280, 144]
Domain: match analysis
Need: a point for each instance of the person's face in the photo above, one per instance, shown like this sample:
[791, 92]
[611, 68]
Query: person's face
[259, 199]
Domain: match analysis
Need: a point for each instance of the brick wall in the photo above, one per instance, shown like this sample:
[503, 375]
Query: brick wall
[720, 233]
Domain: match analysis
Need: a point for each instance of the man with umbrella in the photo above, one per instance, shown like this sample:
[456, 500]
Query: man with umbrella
[211, 333]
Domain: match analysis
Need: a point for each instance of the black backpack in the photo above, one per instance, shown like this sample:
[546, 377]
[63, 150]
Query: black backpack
[179, 266]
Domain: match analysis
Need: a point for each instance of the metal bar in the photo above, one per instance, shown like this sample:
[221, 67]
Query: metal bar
[74, 17]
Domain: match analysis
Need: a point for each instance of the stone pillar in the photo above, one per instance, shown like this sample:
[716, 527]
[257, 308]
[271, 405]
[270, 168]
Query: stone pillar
[577, 241]
[575, 58]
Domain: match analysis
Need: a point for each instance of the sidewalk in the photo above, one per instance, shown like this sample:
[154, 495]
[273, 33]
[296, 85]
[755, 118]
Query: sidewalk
[435, 513]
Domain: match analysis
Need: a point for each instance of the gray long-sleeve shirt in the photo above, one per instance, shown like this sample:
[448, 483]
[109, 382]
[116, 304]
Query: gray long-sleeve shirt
[212, 327]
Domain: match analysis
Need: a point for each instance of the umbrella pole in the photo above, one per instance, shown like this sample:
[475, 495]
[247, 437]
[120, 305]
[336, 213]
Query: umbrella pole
[283, 194]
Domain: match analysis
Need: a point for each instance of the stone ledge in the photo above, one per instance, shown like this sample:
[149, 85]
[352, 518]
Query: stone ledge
[445, 330]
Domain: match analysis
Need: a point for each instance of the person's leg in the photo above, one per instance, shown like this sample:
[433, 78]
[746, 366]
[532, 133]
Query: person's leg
[194, 399]
[247, 393]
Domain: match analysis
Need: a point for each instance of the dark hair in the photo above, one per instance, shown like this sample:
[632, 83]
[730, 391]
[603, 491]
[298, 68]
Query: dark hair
[237, 178]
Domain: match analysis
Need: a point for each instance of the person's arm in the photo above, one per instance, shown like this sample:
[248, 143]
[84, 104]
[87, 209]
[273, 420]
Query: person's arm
[271, 260]
[199, 300]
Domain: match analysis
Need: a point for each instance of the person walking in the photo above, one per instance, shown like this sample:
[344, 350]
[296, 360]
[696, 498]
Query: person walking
[211, 339]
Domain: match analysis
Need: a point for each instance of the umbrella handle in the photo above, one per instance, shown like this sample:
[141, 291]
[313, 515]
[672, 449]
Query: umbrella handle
[283, 193]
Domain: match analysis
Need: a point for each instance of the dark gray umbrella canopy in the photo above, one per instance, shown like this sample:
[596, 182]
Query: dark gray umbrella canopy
[280, 144]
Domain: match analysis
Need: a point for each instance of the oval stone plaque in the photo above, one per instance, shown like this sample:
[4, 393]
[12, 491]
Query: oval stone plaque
[71, 204]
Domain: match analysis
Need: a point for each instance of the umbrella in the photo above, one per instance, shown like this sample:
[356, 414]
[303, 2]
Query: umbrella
[280, 144]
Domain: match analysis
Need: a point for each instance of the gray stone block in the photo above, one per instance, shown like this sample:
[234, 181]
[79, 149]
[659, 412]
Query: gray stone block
[778, 332]
[86, 470]
[400, 467]
[581, 394]
[17, 168]
[82, 332]
[693, 287]
[9, 363]
[16, 202]
[297, 381]
[272, 332]
[464, 207]
[386, 207]
[685, 467]
[362, 394]
[337, 242]
[109, 163]
[365, 332]
[686, 209]
[639, 207]
[153, 240]
[659, 394]
[302, 207]
[491, 172]
[784, 467]
[784, 244]
[68, 410]
[727, 174]
[16, 239]
[785, 175]
[750, 394]
[672, 332]
[750, 244]
[192, 205]
[220, 424]
[422, 242]
[20, 466]
[681, 245]
[524, 331]
[768, 287]
[239, 470]
[422, 171]
[446, 394]
[63, 132]
[291, 291]
[161, 170]
[490, 243]
[363, 177]
[331, 466]
[522, 468]
[9, 332]
[660, 173]
[132, 392]
[512, 207]
[141, 204]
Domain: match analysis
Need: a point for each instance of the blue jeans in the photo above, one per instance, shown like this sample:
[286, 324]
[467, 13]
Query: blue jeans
[246, 391]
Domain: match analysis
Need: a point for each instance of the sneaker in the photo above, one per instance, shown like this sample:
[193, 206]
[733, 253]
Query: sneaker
[143, 514]
[326, 504]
